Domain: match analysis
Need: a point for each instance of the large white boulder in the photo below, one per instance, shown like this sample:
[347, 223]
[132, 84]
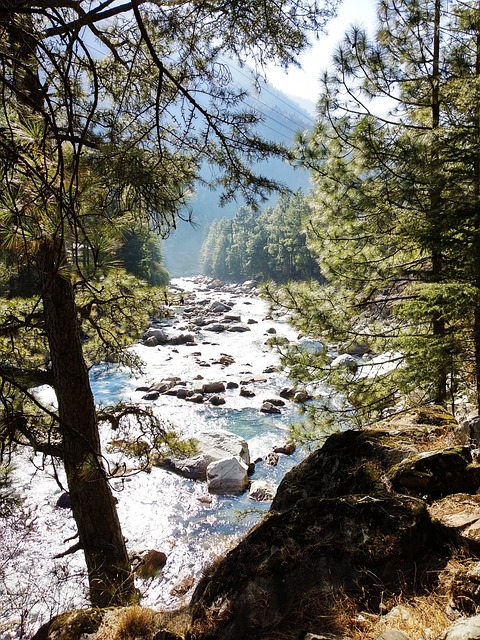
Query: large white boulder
[212, 446]
[227, 476]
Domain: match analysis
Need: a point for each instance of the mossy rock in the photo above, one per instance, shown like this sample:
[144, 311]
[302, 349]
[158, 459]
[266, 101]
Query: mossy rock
[437, 473]
[351, 462]
[420, 425]
[71, 625]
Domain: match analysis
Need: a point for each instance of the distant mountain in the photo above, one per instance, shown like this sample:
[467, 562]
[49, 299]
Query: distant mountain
[283, 117]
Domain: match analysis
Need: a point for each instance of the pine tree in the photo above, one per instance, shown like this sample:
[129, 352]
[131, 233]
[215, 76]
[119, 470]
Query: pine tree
[395, 210]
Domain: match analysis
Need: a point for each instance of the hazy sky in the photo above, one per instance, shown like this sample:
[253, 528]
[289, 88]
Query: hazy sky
[304, 83]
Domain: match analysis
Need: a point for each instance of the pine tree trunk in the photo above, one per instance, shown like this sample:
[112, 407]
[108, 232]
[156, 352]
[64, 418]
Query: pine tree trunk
[110, 578]
[438, 322]
[476, 246]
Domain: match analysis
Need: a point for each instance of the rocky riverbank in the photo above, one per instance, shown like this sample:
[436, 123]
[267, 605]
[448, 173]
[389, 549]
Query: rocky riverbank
[376, 534]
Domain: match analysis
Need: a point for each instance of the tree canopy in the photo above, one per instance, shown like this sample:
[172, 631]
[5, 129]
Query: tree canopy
[395, 211]
[266, 246]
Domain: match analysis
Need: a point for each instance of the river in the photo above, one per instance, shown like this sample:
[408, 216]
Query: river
[158, 510]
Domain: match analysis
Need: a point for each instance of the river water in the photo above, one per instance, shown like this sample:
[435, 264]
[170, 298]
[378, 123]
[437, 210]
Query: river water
[158, 510]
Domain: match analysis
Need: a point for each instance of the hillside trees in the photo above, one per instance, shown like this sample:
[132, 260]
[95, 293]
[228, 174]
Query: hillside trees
[107, 111]
[270, 245]
[141, 254]
[394, 228]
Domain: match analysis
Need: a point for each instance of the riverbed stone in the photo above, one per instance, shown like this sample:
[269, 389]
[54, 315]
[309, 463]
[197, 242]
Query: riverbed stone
[287, 449]
[216, 327]
[272, 459]
[213, 387]
[196, 398]
[64, 501]
[261, 491]
[151, 395]
[212, 446]
[181, 338]
[238, 328]
[245, 392]
[219, 307]
[155, 332]
[150, 563]
[268, 407]
[227, 476]
[345, 360]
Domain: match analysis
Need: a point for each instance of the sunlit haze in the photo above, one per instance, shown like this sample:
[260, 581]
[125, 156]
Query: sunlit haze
[304, 83]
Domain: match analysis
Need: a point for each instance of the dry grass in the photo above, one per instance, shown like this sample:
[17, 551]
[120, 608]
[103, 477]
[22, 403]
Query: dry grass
[141, 623]
[417, 616]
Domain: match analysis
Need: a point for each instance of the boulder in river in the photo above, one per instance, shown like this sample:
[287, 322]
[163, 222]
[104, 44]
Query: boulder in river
[157, 333]
[261, 491]
[345, 360]
[268, 407]
[213, 387]
[227, 476]
[287, 449]
[212, 446]
[149, 563]
[216, 327]
[219, 307]
[196, 398]
[238, 328]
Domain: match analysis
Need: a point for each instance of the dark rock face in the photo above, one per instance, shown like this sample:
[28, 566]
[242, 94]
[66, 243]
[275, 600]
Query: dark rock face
[64, 501]
[438, 473]
[351, 519]
[336, 527]
[349, 462]
[282, 572]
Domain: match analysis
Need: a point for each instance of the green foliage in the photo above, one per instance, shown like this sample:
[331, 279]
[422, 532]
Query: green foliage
[271, 245]
[93, 147]
[141, 435]
[141, 255]
[395, 222]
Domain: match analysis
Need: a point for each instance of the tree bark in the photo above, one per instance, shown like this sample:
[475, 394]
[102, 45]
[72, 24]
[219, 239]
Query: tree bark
[476, 244]
[438, 322]
[110, 578]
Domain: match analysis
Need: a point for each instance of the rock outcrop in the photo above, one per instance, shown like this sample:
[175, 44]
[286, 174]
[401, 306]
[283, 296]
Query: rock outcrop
[344, 523]
[358, 518]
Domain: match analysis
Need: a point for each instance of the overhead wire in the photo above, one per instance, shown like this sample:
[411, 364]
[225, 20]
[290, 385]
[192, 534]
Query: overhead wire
[278, 98]
[262, 113]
